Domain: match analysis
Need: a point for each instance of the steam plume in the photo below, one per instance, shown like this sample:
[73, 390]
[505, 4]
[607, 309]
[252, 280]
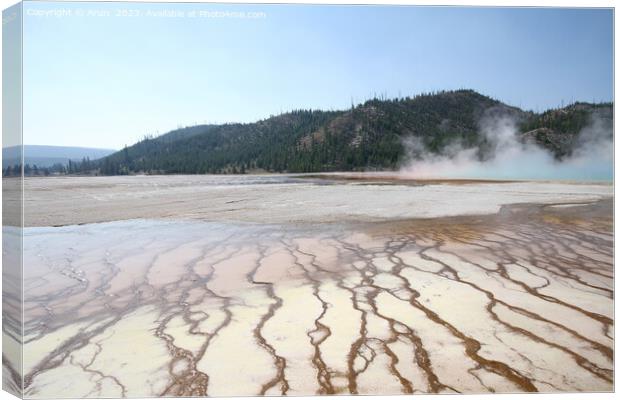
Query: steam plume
[511, 158]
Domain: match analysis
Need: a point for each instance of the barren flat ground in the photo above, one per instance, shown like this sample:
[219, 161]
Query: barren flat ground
[298, 285]
[281, 198]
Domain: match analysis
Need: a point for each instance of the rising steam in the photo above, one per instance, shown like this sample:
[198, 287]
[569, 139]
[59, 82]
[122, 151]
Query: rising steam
[511, 158]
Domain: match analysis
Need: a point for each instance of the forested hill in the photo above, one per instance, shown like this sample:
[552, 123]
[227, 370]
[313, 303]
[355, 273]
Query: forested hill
[369, 136]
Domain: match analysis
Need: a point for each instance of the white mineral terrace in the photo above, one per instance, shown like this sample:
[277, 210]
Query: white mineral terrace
[220, 286]
[280, 198]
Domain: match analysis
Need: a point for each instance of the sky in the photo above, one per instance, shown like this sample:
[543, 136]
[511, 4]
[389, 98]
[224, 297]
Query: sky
[107, 74]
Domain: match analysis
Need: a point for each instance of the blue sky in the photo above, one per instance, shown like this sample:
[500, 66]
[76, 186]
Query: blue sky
[106, 81]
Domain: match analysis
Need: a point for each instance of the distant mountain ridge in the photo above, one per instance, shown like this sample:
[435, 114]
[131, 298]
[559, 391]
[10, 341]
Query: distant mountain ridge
[46, 156]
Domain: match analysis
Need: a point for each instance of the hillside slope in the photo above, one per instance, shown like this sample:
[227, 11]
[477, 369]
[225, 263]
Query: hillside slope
[559, 130]
[371, 136]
